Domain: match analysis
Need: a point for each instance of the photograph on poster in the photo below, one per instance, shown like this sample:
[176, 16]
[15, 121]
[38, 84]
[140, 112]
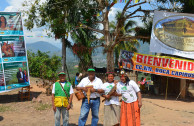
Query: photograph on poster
[13, 48]
[10, 23]
[126, 59]
[16, 74]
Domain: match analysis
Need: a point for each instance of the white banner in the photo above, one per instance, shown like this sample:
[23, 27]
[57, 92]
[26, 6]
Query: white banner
[173, 33]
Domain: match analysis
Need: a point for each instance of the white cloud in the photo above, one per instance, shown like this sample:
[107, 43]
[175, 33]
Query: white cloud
[111, 17]
[9, 9]
[113, 13]
[16, 5]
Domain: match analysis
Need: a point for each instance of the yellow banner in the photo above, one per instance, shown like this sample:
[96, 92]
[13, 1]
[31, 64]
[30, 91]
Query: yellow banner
[161, 65]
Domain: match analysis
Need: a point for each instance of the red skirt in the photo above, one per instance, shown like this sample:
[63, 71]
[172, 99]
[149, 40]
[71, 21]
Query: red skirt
[130, 114]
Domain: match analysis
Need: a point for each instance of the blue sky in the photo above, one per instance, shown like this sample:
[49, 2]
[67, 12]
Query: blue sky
[3, 5]
[16, 5]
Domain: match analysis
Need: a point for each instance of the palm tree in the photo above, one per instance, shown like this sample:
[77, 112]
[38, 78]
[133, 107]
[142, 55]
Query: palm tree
[85, 40]
[145, 30]
[124, 45]
[83, 48]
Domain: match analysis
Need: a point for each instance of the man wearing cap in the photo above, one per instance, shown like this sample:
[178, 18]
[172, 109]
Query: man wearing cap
[94, 102]
[62, 95]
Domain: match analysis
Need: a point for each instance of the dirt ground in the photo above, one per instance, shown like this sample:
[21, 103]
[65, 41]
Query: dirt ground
[155, 111]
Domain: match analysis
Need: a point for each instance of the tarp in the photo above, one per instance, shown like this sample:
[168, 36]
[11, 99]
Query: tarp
[14, 71]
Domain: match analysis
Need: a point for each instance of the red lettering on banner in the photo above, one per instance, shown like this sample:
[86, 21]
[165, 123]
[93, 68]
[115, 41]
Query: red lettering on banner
[145, 59]
[190, 66]
[157, 61]
[178, 64]
[149, 60]
[171, 64]
[185, 65]
[139, 58]
[165, 62]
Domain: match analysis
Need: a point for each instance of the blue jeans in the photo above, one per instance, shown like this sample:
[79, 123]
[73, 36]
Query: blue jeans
[94, 106]
[65, 116]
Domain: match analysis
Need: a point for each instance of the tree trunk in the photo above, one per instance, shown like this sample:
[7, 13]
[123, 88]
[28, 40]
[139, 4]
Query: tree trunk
[64, 54]
[116, 58]
[85, 63]
[110, 61]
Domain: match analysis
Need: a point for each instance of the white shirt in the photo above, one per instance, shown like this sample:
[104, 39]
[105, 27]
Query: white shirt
[21, 74]
[63, 84]
[114, 100]
[97, 84]
[128, 91]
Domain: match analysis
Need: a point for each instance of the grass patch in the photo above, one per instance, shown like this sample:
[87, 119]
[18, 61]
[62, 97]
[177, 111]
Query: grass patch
[4, 108]
[43, 106]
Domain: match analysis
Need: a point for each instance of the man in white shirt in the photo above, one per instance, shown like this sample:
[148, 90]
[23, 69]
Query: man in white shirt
[94, 102]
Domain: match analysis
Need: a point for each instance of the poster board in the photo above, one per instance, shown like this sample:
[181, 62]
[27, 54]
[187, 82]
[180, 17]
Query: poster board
[173, 33]
[14, 72]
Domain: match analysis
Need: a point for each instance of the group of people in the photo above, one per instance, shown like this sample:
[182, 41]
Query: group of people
[7, 49]
[126, 114]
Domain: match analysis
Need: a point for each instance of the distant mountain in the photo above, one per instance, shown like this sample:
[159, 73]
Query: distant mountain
[98, 57]
[42, 46]
[47, 47]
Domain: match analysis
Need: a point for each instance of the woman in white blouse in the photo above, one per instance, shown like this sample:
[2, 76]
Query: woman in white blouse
[131, 101]
[111, 105]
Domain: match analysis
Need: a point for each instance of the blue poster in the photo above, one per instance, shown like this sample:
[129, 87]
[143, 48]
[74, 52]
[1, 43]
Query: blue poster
[13, 57]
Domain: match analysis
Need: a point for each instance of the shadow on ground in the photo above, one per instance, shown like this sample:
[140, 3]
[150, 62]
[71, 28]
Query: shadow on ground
[8, 98]
[1, 118]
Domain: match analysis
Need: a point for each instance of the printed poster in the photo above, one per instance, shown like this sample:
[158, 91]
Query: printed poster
[173, 33]
[14, 71]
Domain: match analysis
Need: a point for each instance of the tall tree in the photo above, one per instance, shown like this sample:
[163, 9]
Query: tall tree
[84, 39]
[57, 16]
[113, 38]
[129, 28]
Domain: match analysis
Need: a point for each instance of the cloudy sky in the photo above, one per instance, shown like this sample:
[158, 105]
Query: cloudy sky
[16, 5]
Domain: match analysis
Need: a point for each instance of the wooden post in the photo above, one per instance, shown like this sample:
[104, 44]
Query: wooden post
[183, 88]
[166, 89]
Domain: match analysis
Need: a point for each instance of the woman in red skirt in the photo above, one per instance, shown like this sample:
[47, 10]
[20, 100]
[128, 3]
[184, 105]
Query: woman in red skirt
[131, 101]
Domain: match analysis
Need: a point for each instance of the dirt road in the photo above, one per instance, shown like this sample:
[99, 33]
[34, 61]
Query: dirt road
[154, 112]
